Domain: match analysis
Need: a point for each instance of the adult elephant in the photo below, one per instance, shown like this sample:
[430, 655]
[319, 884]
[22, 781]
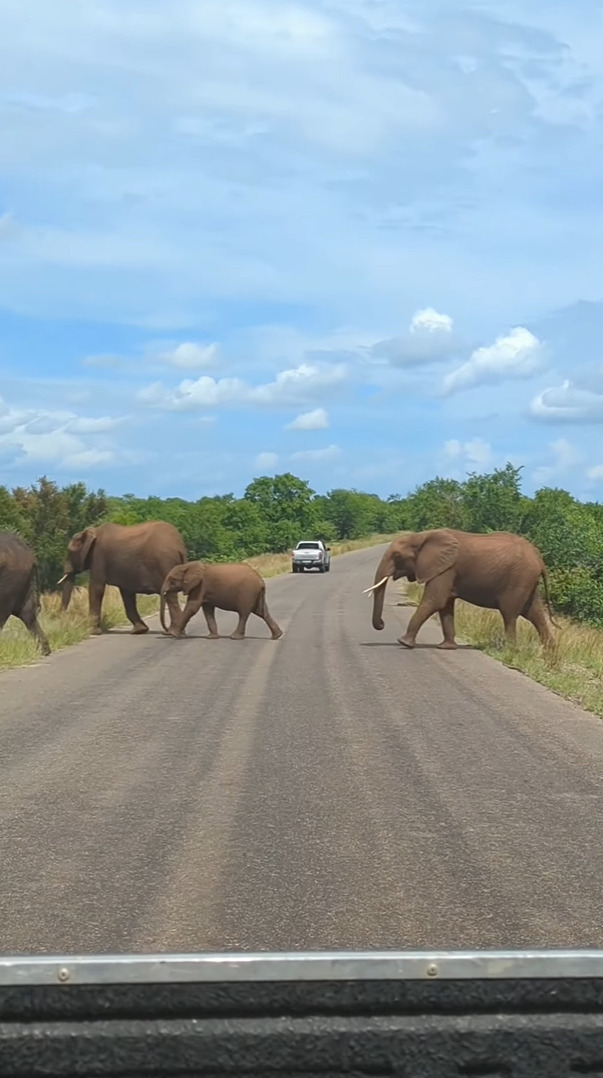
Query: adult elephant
[19, 587]
[499, 571]
[230, 587]
[133, 557]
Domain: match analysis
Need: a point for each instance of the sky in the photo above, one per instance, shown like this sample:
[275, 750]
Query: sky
[358, 240]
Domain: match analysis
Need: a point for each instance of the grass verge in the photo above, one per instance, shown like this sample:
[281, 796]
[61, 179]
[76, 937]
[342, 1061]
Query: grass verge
[574, 670]
[17, 648]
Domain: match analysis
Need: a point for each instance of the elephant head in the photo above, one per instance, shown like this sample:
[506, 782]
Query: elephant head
[77, 561]
[180, 578]
[418, 556]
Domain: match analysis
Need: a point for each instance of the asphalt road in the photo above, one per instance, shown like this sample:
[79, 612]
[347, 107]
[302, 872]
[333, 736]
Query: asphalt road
[327, 790]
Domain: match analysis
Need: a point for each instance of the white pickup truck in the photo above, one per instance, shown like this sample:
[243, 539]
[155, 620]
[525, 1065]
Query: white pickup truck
[311, 555]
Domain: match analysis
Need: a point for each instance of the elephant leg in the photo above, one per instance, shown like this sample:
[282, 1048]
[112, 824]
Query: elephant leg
[129, 601]
[447, 622]
[239, 632]
[510, 606]
[275, 630]
[261, 609]
[210, 618]
[96, 592]
[193, 605]
[535, 612]
[429, 605]
[173, 606]
[29, 616]
[509, 617]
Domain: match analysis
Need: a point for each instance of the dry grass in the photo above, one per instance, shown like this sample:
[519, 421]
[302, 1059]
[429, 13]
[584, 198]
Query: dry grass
[574, 670]
[17, 647]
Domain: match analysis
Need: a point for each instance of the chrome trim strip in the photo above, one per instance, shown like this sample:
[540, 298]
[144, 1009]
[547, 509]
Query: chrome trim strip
[296, 966]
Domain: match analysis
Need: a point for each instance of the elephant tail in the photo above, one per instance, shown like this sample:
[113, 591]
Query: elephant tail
[545, 579]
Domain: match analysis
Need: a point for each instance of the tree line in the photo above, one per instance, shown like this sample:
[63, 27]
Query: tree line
[275, 512]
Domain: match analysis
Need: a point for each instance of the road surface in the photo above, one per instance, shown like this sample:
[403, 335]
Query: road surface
[327, 790]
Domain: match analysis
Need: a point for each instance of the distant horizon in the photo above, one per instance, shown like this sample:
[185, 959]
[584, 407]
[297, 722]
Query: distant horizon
[402, 494]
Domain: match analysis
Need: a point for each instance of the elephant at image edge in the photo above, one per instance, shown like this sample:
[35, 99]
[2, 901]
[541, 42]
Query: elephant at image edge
[18, 587]
[132, 557]
[237, 587]
[498, 571]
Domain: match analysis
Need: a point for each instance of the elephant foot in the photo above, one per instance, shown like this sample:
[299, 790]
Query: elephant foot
[96, 630]
[447, 645]
[277, 636]
[212, 636]
[139, 630]
[405, 642]
[237, 636]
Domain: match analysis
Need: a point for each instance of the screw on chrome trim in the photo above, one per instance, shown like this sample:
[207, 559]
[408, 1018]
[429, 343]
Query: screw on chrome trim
[432, 970]
[63, 974]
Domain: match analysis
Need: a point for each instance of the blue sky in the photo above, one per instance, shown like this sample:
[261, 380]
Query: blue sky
[360, 240]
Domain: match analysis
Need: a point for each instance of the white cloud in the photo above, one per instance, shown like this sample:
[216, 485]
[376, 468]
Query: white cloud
[568, 403]
[517, 354]
[315, 420]
[87, 425]
[267, 461]
[109, 362]
[475, 452]
[318, 456]
[429, 339]
[191, 356]
[563, 458]
[54, 438]
[430, 321]
[595, 473]
[290, 387]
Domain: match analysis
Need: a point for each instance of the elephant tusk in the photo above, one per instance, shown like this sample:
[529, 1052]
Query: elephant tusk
[63, 579]
[367, 591]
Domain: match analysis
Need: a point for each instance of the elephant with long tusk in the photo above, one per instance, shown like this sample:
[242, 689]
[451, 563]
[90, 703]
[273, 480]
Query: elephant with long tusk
[498, 571]
[367, 591]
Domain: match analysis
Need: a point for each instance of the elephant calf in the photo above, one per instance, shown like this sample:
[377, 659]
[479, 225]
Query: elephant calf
[229, 587]
[18, 587]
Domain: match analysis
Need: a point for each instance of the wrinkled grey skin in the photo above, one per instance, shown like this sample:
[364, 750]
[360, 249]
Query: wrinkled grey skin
[133, 557]
[229, 587]
[497, 571]
[19, 587]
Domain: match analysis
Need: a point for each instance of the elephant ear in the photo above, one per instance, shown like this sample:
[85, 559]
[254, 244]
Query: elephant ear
[192, 576]
[437, 552]
[83, 542]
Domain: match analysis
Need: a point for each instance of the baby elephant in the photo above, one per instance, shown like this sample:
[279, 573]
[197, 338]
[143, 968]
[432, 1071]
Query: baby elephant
[229, 587]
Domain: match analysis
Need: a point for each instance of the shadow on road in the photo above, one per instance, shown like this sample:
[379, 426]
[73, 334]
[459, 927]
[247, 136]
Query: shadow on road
[203, 636]
[417, 647]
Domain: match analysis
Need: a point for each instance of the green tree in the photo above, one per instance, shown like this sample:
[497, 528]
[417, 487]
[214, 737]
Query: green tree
[438, 503]
[494, 502]
[287, 506]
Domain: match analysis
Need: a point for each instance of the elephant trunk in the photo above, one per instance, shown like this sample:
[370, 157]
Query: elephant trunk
[162, 611]
[384, 571]
[68, 583]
